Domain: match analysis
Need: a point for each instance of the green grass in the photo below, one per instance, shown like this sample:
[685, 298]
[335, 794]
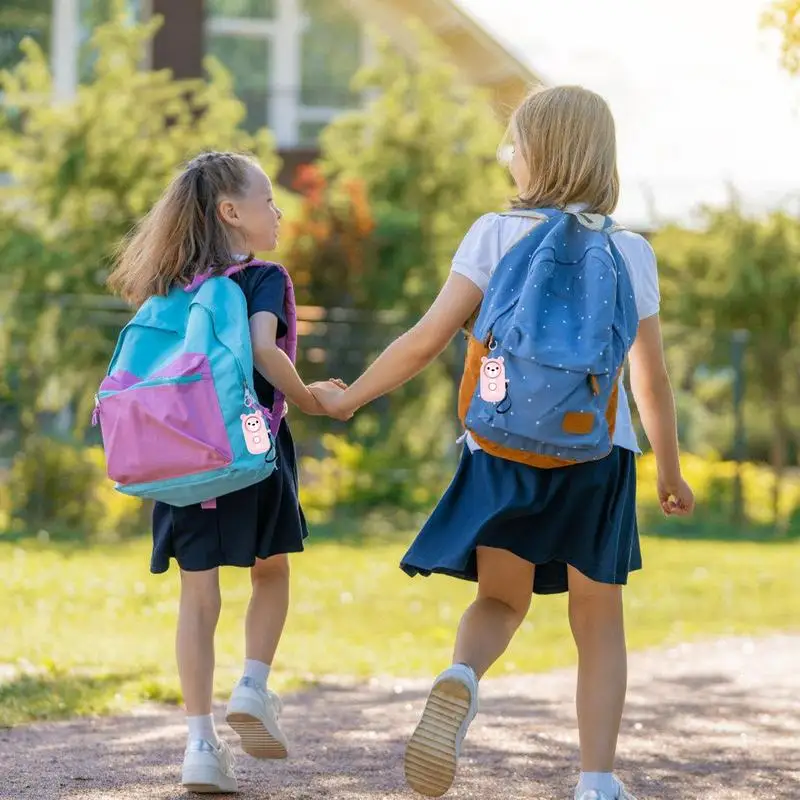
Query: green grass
[89, 630]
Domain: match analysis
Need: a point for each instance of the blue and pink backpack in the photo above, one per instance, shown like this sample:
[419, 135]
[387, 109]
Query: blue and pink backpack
[180, 420]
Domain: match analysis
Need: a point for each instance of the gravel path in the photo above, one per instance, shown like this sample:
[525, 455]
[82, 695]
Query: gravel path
[719, 721]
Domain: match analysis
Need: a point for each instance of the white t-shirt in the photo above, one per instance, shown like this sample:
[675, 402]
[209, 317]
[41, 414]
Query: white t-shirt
[494, 234]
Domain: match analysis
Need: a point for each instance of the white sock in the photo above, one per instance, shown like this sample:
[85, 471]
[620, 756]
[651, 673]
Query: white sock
[257, 672]
[202, 727]
[604, 782]
[468, 673]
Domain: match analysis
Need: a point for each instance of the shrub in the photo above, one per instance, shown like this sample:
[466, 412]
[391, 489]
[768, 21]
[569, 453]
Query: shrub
[62, 488]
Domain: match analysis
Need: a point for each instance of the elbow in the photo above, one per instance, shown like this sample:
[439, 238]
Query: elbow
[263, 352]
[264, 357]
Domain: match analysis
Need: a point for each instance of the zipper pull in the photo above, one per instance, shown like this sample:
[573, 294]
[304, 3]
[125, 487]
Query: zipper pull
[96, 412]
[249, 400]
[594, 384]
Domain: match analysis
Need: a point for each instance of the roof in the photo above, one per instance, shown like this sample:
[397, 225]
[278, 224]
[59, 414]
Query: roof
[482, 58]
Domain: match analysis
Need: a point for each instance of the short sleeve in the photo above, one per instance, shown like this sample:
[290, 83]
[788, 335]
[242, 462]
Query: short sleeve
[641, 260]
[264, 289]
[480, 251]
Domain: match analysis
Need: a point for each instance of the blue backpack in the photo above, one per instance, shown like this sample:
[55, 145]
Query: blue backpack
[179, 417]
[541, 376]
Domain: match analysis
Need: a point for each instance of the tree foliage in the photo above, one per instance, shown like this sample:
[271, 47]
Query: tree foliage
[401, 180]
[425, 150]
[81, 173]
[784, 16]
[741, 273]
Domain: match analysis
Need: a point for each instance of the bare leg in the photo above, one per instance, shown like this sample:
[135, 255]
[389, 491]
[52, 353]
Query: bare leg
[505, 583]
[198, 614]
[596, 619]
[253, 711]
[504, 596]
[268, 607]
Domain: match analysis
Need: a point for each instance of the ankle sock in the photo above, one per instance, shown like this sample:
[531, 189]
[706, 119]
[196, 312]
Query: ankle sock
[604, 782]
[202, 727]
[257, 672]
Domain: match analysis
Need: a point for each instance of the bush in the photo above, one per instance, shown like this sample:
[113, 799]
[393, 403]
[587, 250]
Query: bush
[359, 479]
[63, 488]
[354, 479]
[81, 174]
[713, 484]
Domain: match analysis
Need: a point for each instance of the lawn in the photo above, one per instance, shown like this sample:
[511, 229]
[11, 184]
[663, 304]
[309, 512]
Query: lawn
[89, 630]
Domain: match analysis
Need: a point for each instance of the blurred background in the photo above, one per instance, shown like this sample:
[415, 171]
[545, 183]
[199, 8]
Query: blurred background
[379, 120]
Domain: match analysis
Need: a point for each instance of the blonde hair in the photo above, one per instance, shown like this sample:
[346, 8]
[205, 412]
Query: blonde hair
[568, 141]
[182, 235]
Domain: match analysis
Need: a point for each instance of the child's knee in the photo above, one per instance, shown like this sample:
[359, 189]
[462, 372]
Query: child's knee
[200, 591]
[273, 569]
[514, 607]
[595, 605]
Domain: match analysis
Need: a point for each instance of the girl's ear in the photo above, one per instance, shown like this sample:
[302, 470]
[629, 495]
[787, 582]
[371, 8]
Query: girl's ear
[228, 213]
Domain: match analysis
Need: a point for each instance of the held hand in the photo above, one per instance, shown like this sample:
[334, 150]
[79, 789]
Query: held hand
[329, 395]
[675, 496]
[312, 406]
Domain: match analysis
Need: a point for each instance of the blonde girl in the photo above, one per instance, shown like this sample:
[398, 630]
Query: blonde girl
[517, 529]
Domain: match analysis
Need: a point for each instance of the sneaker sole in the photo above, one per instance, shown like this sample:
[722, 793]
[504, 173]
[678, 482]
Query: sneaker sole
[200, 782]
[257, 741]
[431, 755]
[207, 788]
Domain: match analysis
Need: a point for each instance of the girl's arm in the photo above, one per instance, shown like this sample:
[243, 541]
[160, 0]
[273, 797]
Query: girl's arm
[277, 367]
[652, 392]
[412, 352]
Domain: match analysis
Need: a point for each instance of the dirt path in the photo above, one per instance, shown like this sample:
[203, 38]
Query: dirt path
[718, 721]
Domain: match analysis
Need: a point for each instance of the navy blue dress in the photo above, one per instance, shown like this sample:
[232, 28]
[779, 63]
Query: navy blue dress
[583, 515]
[259, 521]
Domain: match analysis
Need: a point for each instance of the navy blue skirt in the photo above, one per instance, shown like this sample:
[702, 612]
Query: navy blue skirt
[583, 515]
[259, 521]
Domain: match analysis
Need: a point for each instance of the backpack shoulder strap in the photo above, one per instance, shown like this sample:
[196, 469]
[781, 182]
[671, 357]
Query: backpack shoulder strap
[539, 215]
[287, 343]
[535, 215]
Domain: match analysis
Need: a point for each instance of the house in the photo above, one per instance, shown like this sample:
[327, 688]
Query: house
[292, 60]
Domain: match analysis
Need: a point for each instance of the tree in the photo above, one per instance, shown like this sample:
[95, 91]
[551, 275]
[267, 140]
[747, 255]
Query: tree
[784, 16]
[425, 150]
[81, 174]
[741, 272]
[404, 177]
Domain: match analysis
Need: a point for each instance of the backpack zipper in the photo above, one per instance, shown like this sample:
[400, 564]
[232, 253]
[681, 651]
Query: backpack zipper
[147, 384]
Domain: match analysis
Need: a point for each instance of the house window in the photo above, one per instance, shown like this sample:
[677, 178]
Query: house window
[327, 72]
[248, 61]
[249, 9]
[309, 133]
[19, 20]
[283, 66]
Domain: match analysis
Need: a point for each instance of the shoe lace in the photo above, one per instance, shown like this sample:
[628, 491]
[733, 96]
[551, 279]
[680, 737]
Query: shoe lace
[226, 754]
[275, 701]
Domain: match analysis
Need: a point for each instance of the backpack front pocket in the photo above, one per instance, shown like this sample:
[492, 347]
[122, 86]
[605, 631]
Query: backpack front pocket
[546, 410]
[167, 427]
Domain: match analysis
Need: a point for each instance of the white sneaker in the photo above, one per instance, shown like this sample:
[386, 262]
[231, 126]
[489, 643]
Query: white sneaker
[593, 794]
[253, 713]
[208, 769]
[433, 750]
